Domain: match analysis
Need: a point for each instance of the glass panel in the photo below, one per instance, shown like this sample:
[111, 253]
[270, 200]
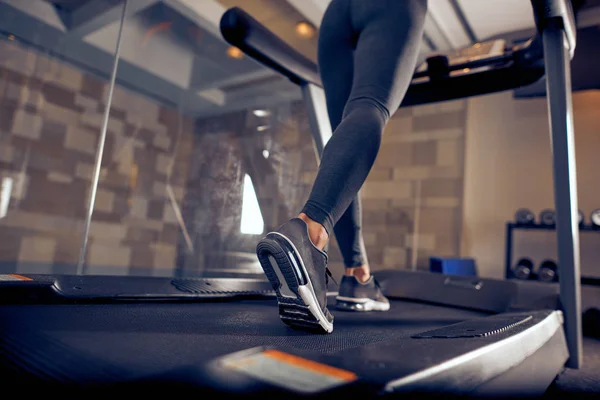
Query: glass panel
[53, 84]
[206, 150]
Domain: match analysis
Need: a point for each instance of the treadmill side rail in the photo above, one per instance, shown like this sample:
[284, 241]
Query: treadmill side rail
[470, 371]
[52, 289]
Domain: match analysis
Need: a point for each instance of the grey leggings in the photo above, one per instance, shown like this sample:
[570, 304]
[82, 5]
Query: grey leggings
[367, 55]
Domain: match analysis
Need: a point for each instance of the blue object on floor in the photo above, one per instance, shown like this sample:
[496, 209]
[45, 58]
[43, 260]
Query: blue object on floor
[453, 266]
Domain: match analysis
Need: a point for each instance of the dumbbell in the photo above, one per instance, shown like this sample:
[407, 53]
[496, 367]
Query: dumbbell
[548, 217]
[523, 269]
[524, 216]
[595, 218]
[548, 271]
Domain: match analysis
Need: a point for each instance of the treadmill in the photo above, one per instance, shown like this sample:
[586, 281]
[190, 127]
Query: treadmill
[444, 335]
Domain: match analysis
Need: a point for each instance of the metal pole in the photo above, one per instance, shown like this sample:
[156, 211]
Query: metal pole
[508, 251]
[318, 118]
[96, 177]
[558, 86]
[416, 224]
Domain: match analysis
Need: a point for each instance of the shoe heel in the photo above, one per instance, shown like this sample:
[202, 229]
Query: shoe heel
[286, 278]
[298, 316]
[279, 272]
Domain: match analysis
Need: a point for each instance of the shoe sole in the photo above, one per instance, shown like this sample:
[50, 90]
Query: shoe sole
[285, 270]
[356, 304]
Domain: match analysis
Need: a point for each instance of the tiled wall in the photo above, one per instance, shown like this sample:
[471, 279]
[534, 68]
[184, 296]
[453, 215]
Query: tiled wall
[50, 120]
[170, 192]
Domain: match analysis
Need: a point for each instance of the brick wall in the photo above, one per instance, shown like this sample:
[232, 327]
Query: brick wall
[50, 120]
[159, 164]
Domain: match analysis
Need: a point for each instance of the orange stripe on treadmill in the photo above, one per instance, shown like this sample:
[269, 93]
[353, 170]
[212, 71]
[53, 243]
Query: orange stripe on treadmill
[21, 277]
[311, 365]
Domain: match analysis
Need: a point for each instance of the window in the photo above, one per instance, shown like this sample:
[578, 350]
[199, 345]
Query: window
[252, 220]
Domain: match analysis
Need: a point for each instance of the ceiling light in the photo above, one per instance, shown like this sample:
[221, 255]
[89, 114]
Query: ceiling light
[305, 30]
[261, 113]
[262, 128]
[266, 153]
[234, 52]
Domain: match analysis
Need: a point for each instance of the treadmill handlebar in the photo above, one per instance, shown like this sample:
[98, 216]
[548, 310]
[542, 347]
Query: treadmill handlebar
[244, 32]
[517, 67]
[561, 12]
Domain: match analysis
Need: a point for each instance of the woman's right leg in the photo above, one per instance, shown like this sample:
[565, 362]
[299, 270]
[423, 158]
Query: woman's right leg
[387, 40]
[387, 35]
[337, 41]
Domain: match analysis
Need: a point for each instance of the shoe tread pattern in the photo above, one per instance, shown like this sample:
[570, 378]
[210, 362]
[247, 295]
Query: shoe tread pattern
[294, 312]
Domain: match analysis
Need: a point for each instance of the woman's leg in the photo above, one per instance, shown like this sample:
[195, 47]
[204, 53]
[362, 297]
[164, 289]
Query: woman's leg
[337, 41]
[386, 35]
[373, 44]
[349, 236]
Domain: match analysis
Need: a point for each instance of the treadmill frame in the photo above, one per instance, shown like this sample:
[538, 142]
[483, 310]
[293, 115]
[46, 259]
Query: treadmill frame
[565, 186]
[538, 341]
[555, 22]
[559, 49]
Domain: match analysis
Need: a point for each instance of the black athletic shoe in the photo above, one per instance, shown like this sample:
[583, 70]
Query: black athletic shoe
[356, 296]
[298, 272]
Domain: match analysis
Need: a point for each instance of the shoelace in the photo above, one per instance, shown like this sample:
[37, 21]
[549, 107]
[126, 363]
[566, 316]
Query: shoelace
[379, 289]
[329, 275]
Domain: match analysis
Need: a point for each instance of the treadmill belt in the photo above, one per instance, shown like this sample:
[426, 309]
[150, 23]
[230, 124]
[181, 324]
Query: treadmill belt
[141, 339]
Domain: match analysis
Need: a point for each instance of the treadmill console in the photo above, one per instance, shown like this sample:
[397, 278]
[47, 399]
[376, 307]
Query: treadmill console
[466, 57]
[479, 51]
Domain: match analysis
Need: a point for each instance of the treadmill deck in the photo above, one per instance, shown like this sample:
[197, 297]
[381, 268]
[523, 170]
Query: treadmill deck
[148, 338]
[97, 340]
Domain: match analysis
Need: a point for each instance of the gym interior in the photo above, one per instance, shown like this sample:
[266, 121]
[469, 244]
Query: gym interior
[144, 152]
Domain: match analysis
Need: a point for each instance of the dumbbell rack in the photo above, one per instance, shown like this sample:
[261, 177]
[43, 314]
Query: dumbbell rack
[511, 226]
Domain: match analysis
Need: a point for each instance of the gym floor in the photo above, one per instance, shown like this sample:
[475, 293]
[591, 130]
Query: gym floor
[584, 381]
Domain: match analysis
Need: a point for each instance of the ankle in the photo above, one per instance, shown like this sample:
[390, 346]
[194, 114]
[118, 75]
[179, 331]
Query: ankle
[362, 273]
[317, 233]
